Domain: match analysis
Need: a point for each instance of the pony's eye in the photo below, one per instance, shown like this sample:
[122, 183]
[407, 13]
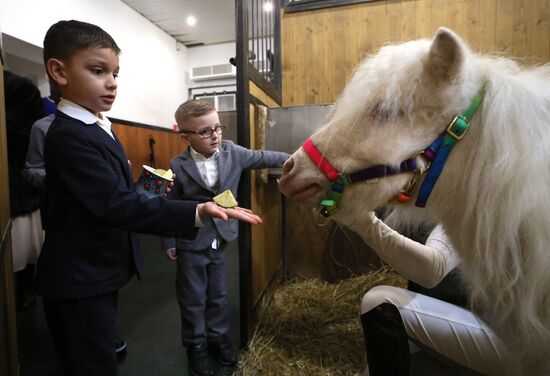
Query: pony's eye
[385, 114]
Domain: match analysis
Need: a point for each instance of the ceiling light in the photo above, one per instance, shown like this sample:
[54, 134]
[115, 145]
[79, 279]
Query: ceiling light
[268, 7]
[191, 20]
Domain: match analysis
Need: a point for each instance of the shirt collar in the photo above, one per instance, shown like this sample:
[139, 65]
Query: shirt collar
[199, 157]
[80, 113]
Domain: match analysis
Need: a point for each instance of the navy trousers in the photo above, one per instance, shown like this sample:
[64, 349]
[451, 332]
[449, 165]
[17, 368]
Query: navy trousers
[83, 332]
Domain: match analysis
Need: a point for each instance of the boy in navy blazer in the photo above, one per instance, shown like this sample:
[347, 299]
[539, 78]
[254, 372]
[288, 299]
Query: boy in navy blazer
[206, 168]
[90, 250]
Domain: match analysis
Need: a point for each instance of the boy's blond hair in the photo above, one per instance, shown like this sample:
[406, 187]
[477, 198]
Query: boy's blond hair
[192, 108]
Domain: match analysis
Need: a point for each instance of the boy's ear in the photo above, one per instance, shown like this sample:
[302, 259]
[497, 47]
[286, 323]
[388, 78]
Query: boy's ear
[184, 137]
[56, 70]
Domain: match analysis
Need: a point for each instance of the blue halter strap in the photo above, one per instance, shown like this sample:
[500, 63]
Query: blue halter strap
[442, 147]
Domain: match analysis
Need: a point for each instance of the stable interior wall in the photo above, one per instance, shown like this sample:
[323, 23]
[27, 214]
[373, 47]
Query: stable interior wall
[211, 55]
[152, 65]
[266, 201]
[320, 50]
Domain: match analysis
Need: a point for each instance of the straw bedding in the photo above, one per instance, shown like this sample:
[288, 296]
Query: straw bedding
[312, 328]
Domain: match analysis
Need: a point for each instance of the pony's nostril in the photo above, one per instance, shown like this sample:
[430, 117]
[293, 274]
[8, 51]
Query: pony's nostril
[287, 167]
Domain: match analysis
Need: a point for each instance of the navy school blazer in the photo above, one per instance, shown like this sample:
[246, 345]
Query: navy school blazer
[92, 211]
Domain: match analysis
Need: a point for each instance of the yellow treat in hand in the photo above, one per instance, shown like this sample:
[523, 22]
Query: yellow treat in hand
[168, 175]
[165, 174]
[226, 199]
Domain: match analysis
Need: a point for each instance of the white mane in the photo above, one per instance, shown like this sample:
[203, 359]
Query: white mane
[493, 197]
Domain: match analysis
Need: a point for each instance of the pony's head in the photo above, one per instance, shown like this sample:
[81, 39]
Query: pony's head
[395, 105]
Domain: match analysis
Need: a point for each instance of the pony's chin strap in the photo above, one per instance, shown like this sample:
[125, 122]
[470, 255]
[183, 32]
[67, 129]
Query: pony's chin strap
[417, 164]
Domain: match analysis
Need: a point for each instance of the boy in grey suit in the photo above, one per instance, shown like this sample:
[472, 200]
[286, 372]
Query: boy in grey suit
[206, 168]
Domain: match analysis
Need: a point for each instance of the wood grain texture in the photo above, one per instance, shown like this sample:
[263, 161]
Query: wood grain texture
[265, 201]
[9, 364]
[321, 48]
[135, 141]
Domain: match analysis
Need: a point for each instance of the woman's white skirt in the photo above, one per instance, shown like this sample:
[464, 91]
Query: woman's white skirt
[26, 238]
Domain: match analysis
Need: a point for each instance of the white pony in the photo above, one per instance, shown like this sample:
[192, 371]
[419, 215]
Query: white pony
[493, 195]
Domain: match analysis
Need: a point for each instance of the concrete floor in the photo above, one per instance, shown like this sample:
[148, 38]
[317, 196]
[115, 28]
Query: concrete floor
[148, 320]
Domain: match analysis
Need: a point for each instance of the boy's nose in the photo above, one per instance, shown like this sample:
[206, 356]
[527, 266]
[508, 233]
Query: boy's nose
[111, 83]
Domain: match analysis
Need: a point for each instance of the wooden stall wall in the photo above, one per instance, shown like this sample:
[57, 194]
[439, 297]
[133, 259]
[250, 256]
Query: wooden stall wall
[167, 143]
[135, 140]
[321, 48]
[8, 335]
[266, 242]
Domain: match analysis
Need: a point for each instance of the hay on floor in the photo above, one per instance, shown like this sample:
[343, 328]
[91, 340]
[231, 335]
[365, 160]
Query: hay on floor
[313, 328]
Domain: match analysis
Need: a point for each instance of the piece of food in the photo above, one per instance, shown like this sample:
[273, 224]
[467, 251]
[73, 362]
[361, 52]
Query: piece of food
[226, 199]
[166, 174]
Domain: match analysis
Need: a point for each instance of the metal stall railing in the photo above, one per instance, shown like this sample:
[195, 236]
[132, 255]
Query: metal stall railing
[264, 46]
[258, 62]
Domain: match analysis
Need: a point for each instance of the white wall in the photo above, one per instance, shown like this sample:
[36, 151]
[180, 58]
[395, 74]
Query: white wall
[210, 55]
[152, 71]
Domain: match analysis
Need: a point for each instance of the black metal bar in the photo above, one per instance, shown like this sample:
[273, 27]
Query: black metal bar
[277, 36]
[305, 5]
[251, 28]
[269, 43]
[243, 139]
[257, 35]
[264, 38]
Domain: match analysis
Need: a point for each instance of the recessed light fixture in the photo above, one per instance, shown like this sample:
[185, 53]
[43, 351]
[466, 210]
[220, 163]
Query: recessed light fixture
[268, 6]
[191, 20]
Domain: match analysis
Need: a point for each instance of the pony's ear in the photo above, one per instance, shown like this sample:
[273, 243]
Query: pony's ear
[445, 57]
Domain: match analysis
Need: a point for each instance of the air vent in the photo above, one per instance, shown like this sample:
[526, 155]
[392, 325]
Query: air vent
[213, 72]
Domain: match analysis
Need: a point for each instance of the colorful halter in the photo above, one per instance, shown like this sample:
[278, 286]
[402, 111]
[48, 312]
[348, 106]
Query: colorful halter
[432, 159]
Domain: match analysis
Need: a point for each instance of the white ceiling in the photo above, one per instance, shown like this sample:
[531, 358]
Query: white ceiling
[215, 19]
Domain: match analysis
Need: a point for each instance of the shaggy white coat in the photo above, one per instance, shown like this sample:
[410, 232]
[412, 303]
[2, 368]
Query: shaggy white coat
[493, 196]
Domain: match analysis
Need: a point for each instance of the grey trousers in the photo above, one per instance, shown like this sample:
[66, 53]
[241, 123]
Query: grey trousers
[201, 289]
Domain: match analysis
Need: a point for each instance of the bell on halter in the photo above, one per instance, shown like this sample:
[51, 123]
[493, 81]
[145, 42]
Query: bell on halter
[154, 182]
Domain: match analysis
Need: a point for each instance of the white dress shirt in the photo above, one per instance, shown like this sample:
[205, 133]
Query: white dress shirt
[208, 167]
[80, 113]
[209, 170]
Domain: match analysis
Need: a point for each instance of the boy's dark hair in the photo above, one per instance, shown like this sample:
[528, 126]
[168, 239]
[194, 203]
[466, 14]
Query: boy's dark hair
[64, 38]
[194, 108]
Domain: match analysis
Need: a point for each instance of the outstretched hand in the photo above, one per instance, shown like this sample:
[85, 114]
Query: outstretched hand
[211, 209]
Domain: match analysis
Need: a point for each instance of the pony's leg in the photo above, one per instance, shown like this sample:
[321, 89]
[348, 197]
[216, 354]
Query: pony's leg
[449, 330]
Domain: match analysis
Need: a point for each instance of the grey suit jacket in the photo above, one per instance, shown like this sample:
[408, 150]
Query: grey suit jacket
[189, 185]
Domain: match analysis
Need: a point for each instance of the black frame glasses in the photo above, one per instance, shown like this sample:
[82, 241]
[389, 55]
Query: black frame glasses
[205, 133]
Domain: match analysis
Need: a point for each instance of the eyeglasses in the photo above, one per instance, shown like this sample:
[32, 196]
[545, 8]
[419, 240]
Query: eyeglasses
[205, 133]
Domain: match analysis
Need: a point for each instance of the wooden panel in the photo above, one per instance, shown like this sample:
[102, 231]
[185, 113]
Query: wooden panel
[4, 182]
[265, 200]
[321, 48]
[8, 339]
[255, 91]
[316, 247]
[136, 144]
